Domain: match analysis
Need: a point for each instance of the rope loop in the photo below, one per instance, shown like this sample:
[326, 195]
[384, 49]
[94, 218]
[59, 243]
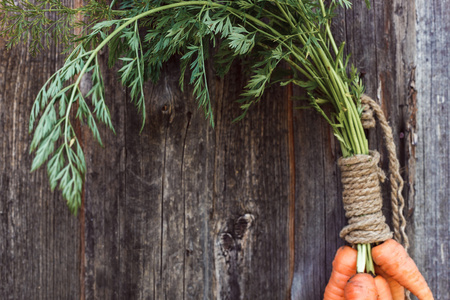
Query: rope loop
[395, 179]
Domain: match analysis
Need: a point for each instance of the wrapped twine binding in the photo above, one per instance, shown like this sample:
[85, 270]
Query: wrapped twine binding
[362, 199]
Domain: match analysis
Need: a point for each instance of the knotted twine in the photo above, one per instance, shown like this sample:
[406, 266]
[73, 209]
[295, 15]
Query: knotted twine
[362, 199]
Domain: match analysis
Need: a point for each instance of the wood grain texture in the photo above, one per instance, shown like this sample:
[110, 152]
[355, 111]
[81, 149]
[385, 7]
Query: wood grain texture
[104, 192]
[431, 215]
[184, 211]
[174, 212]
[251, 197]
[39, 239]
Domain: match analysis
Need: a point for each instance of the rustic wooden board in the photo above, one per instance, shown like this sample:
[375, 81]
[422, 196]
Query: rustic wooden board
[179, 197]
[39, 239]
[251, 197]
[100, 220]
[432, 200]
[182, 210]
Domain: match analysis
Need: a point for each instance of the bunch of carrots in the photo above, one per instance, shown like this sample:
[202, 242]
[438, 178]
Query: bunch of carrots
[393, 271]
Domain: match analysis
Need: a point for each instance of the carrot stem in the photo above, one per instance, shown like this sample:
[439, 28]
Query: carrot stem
[361, 258]
[370, 268]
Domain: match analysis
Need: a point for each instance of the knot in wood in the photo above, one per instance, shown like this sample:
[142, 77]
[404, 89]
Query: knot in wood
[226, 242]
[166, 109]
[362, 199]
[242, 224]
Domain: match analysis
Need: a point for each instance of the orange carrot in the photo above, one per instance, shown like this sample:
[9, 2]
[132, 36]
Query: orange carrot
[397, 290]
[393, 259]
[344, 267]
[384, 292]
[361, 287]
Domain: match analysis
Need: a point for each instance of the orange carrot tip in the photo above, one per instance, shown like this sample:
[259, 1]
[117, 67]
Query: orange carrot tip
[361, 287]
[384, 291]
[395, 262]
[397, 290]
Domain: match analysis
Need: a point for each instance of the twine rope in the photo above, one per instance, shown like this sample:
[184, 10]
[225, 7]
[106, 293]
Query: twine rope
[362, 199]
[367, 119]
[362, 194]
[397, 202]
[396, 180]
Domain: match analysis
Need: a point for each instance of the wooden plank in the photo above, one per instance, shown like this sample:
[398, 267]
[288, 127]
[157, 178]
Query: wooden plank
[431, 221]
[175, 107]
[104, 190]
[198, 178]
[393, 62]
[141, 209]
[314, 185]
[39, 238]
[187, 185]
[250, 202]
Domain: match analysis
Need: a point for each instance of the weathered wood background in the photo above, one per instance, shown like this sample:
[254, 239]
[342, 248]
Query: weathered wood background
[185, 211]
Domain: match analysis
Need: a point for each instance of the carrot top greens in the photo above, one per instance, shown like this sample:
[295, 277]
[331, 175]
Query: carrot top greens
[141, 35]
